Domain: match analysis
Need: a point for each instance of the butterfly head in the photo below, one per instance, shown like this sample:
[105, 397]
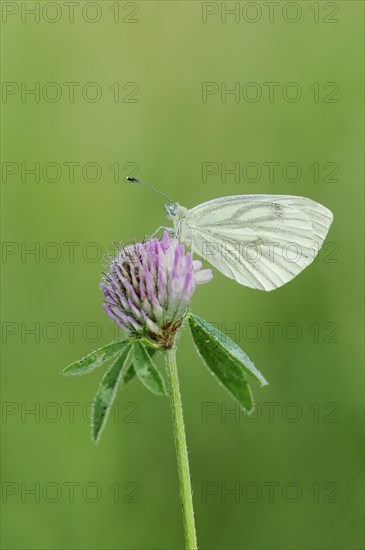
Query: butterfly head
[171, 210]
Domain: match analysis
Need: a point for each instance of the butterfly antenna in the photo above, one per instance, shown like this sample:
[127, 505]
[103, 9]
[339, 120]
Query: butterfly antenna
[134, 180]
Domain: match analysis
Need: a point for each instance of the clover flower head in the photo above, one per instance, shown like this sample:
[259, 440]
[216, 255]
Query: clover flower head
[149, 286]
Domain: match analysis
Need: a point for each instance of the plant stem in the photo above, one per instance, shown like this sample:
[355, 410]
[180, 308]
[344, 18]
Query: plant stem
[181, 451]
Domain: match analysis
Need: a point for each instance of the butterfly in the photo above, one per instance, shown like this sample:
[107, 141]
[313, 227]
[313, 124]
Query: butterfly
[260, 241]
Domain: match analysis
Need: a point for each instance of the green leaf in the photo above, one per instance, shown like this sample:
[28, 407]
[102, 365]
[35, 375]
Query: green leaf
[129, 375]
[146, 369]
[225, 359]
[94, 359]
[120, 372]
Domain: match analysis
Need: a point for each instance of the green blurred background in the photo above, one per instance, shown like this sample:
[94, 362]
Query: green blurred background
[296, 468]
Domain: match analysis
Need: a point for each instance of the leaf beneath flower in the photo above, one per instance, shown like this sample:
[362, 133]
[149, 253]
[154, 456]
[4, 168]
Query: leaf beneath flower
[146, 369]
[120, 373]
[226, 360]
[94, 359]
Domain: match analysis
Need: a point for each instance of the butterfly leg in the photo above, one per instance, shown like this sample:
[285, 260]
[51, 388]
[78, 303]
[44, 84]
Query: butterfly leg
[170, 231]
[192, 247]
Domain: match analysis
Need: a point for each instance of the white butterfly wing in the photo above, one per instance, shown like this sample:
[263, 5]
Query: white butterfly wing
[260, 241]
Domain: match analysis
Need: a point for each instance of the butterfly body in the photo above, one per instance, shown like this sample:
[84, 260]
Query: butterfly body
[260, 241]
